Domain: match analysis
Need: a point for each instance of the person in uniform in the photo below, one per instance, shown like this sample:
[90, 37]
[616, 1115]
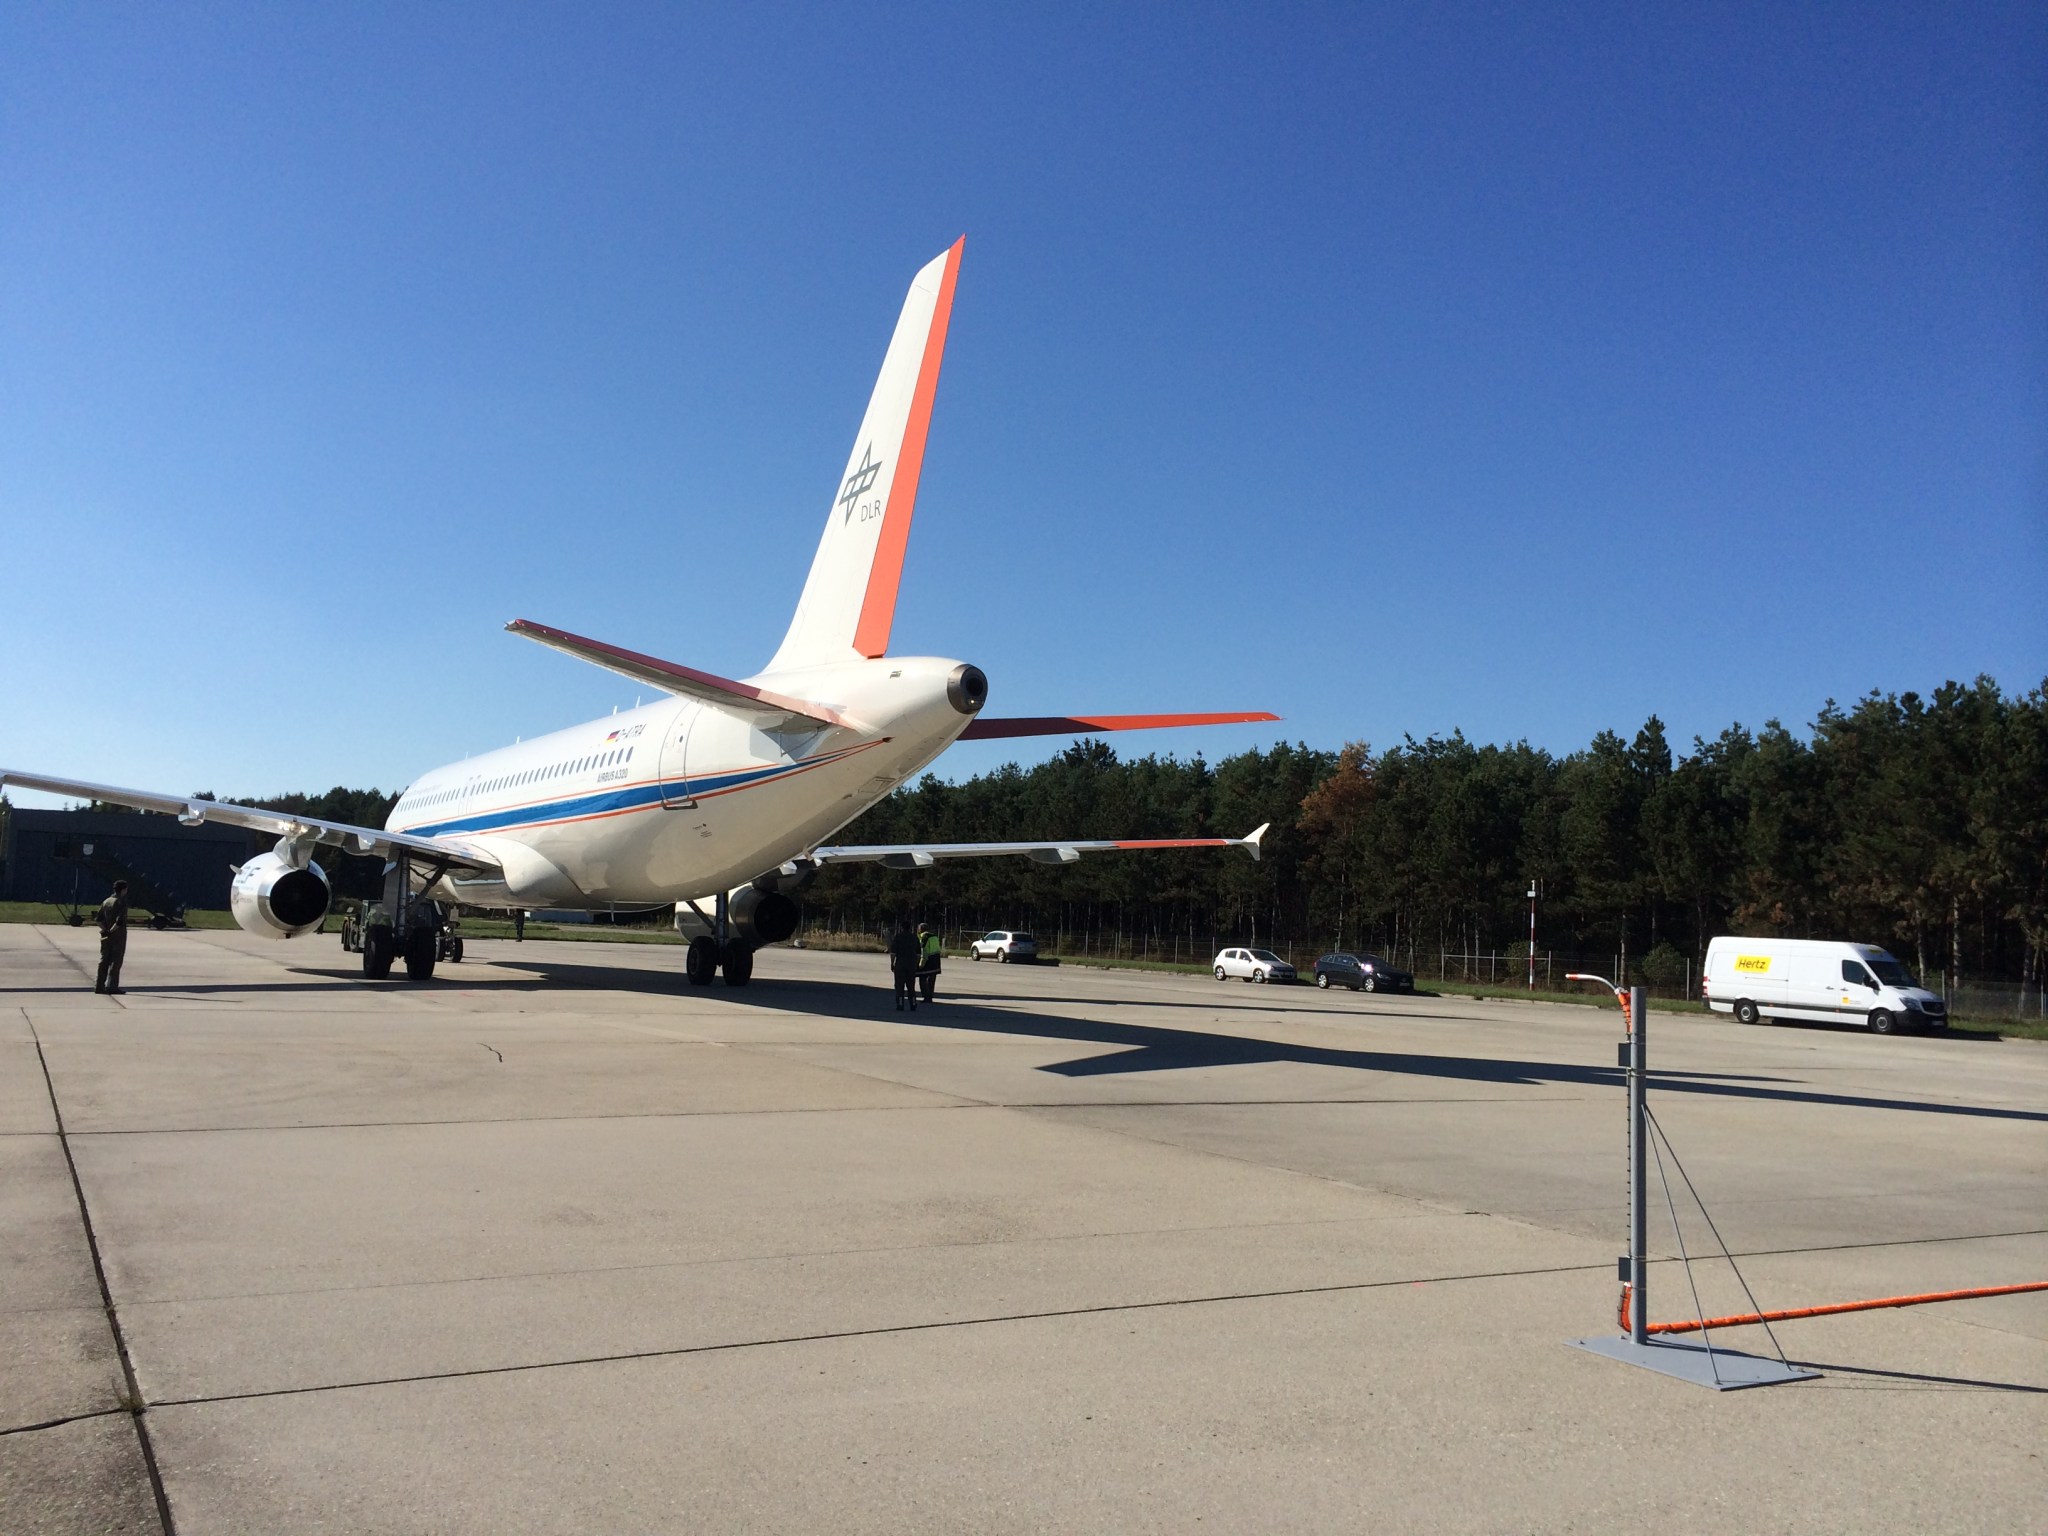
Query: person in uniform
[903, 964]
[113, 938]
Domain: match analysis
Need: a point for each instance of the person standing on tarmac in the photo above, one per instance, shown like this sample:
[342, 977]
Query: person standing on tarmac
[927, 960]
[113, 939]
[903, 964]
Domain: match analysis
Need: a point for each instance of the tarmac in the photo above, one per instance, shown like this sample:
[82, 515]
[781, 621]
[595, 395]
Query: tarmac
[558, 1243]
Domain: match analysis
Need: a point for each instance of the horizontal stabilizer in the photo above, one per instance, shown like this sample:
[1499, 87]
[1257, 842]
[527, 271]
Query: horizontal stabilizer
[686, 682]
[1084, 725]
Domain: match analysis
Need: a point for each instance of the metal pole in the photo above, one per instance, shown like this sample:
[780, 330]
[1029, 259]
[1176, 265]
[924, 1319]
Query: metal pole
[1532, 935]
[1638, 1141]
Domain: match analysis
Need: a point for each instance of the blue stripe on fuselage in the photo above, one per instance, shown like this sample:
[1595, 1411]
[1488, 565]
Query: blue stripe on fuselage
[627, 797]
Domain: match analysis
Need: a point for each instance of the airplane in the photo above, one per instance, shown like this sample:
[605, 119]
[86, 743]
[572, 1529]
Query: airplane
[719, 794]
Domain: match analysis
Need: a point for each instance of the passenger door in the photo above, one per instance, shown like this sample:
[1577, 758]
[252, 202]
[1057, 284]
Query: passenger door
[675, 747]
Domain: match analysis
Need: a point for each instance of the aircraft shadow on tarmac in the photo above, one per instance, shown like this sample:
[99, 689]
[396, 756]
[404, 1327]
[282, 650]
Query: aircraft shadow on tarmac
[1148, 1048]
[1905, 1381]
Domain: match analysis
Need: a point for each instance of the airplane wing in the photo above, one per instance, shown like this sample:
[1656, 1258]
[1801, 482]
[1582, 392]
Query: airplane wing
[1088, 725]
[672, 677]
[336, 834]
[924, 855]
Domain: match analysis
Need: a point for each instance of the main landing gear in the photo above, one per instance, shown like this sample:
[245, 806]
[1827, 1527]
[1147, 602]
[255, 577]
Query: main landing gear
[707, 956]
[701, 963]
[416, 937]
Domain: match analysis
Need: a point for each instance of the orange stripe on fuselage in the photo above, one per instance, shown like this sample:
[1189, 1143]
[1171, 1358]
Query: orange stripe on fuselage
[878, 607]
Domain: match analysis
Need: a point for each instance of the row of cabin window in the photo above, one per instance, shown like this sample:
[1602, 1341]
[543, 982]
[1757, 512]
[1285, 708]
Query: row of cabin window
[534, 775]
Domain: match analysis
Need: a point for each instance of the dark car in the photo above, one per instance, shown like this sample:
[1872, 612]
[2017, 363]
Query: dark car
[1369, 972]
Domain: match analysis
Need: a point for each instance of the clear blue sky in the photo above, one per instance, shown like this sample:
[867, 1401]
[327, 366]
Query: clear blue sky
[1396, 368]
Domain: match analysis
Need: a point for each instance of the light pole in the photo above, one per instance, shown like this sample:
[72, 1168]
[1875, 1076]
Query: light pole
[1532, 933]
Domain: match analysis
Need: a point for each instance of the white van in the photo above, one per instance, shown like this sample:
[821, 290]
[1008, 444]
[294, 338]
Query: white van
[1816, 979]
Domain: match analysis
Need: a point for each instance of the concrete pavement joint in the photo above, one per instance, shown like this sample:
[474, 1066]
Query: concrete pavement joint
[1106, 1309]
[58, 1423]
[638, 1114]
[132, 1390]
[790, 1256]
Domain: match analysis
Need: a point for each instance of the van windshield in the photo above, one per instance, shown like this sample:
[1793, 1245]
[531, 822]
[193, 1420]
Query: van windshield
[1891, 972]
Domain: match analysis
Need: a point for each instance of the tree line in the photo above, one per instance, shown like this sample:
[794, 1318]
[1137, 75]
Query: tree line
[1917, 822]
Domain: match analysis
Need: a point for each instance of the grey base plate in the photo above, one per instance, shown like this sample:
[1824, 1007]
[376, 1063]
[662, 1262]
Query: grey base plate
[1722, 1369]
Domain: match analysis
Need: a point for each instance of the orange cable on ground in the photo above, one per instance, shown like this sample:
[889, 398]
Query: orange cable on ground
[1742, 1318]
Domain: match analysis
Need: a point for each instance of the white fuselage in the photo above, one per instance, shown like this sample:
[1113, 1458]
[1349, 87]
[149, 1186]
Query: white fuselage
[681, 799]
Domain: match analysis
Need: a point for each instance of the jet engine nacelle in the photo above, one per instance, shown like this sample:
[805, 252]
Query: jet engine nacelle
[762, 917]
[752, 914]
[273, 897]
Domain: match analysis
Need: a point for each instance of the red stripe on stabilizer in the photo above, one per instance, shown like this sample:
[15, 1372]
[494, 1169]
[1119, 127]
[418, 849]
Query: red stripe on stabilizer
[878, 608]
[1081, 725]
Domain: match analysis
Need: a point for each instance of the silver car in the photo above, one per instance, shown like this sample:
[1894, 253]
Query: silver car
[1004, 944]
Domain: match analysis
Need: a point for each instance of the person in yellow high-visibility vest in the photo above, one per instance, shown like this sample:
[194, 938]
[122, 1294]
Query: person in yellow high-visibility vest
[927, 960]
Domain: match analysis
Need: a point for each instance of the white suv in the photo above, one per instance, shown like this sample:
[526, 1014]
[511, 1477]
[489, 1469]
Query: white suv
[1003, 945]
[1252, 965]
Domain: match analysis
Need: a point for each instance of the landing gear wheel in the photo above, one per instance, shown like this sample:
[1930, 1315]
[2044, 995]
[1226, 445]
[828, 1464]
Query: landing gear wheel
[700, 964]
[1219, 973]
[452, 950]
[739, 964]
[1883, 1021]
[419, 955]
[380, 948]
[1745, 1012]
[1322, 981]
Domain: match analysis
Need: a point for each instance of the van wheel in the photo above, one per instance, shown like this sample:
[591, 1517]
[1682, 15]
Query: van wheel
[1882, 1022]
[1746, 1012]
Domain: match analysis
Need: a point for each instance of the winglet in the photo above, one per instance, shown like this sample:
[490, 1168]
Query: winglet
[1251, 843]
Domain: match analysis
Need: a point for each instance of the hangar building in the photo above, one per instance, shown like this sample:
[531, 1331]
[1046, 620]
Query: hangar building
[75, 856]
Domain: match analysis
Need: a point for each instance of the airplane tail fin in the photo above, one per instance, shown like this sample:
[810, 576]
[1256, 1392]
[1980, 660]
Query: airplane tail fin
[849, 600]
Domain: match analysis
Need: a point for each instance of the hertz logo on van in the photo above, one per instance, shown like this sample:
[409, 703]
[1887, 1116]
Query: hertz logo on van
[1756, 965]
